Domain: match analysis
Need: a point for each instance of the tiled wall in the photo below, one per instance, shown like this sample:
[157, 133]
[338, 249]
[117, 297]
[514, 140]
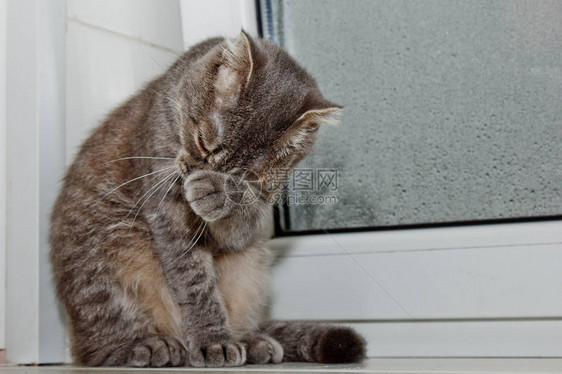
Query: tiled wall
[113, 47]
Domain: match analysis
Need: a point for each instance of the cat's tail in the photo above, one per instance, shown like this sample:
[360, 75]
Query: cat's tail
[314, 342]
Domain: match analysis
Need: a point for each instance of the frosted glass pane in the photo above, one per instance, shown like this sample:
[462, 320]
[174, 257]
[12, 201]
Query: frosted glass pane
[453, 108]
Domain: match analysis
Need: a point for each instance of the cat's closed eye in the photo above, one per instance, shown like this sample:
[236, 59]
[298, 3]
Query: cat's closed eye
[204, 148]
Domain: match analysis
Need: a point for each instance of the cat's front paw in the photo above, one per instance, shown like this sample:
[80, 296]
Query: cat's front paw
[205, 192]
[218, 355]
[157, 351]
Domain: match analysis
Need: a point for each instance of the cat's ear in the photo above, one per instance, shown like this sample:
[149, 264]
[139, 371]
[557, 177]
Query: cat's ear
[322, 113]
[301, 131]
[318, 117]
[237, 64]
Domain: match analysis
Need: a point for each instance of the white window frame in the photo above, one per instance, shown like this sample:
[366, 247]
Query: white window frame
[391, 331]
[35, 165]
[3, 183]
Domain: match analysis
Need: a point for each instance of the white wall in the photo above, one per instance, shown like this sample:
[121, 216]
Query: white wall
[204, 19]
[51, 144]
[113, 48]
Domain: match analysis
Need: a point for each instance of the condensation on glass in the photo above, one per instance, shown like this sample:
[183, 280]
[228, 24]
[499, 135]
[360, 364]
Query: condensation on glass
[453, 109]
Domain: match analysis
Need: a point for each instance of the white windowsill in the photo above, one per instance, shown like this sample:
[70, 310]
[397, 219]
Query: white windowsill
[380, 365]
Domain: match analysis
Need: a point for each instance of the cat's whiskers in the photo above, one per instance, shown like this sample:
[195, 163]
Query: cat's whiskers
[196, 237]
[149, 191]
[141, 157]
[156, 187]
[167, 191]
[132, 180]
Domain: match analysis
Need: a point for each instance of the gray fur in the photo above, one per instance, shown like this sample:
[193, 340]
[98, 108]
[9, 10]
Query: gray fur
[156, 261]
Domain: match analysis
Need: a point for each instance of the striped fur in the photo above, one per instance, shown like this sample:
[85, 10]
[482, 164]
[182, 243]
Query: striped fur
[154, 262]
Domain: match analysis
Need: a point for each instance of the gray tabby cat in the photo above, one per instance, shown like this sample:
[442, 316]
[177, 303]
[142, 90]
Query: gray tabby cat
[156, 259]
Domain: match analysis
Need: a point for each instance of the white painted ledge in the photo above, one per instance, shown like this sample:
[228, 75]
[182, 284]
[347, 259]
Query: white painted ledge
[513, 339]
[381, 365]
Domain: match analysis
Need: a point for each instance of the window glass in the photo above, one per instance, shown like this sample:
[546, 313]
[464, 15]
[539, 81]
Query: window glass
[453, 110]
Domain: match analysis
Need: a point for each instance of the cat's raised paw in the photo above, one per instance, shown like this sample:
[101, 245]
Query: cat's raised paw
[157, 351]
[204, 190]
[218, 355]
[263, 349]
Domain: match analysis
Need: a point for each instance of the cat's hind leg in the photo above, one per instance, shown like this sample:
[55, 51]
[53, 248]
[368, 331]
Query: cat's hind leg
[120, 307]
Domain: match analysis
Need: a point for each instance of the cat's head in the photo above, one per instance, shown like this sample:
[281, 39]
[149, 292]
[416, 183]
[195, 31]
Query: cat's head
[257, 110]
